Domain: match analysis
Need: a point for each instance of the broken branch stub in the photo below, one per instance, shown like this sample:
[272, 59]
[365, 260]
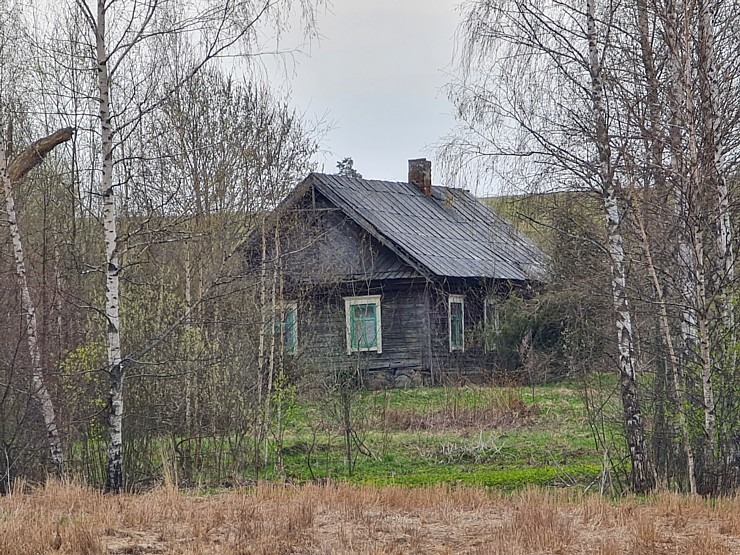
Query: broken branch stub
[35, 153]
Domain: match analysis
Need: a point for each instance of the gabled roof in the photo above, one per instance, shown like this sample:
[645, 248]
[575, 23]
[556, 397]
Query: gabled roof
[447, 234]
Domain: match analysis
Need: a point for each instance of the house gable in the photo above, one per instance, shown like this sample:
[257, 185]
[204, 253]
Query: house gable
[321, 244]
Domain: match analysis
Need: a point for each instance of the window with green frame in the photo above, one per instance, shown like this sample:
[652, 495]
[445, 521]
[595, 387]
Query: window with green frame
[287, 327]
[363, 324]
[457, 323]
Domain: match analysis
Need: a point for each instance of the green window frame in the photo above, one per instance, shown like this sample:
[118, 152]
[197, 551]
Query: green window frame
[287, 327]
[363, 324]
[456, 321]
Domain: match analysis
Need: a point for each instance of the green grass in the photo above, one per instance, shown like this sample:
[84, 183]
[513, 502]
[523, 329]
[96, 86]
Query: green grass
[488, 436]
[503, 437]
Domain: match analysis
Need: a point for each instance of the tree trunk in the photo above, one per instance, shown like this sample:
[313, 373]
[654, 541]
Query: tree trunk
[724, 353]
[274, 318]
[114, 474]
[643, 478]
[261, 351]
[712, 149]
[705, 354]
[655, 146]
[11, 173]
[673, 359]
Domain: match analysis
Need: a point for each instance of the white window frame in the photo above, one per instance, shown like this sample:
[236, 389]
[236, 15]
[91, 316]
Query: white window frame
[456, 299]
[349, 302]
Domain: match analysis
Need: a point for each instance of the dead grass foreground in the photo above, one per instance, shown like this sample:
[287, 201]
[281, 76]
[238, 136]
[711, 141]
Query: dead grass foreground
[70, 519]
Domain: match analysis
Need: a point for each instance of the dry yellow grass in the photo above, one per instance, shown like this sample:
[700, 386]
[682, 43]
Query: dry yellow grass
[70, 519]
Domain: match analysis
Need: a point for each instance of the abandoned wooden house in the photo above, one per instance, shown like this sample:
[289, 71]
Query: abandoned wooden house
[398, 280]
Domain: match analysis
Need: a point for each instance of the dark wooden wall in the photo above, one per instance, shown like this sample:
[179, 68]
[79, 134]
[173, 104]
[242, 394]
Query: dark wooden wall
[474, 360]
[415, 333]
[404, 329]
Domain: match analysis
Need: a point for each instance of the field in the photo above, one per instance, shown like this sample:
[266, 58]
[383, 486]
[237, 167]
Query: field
[506, 437]
[342, 518]
[507, 470]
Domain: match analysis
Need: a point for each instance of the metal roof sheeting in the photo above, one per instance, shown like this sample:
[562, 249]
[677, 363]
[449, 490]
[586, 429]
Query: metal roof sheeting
[450, 233]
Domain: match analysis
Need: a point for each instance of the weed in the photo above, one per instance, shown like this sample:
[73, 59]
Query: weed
[341, 518]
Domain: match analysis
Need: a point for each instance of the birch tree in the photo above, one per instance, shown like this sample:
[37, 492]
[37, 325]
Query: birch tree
[538, 74]
[12, 170]
[642, 472]
[130, 63]
[635, 104]
[14, 167]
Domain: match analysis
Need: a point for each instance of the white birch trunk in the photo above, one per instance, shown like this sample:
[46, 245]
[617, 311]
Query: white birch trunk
[281, 370]
[114, 476]
[706, 366]
[699, 202]
[656, 145]
[261, 355]
[40, 392]
[681, 188]
[643, 478]
[188, 326]
[714, 145]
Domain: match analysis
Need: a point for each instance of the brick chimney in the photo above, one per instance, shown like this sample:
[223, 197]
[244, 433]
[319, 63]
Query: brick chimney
[420, 174]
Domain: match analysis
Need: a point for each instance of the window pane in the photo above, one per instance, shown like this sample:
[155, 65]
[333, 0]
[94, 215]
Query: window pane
[456, 325]
[289, 330]
[364, 329]
[456, 309]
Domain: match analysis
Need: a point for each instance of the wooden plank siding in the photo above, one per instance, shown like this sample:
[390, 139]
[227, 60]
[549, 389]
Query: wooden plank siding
[414, 329]
[473, 360]
[322, 329]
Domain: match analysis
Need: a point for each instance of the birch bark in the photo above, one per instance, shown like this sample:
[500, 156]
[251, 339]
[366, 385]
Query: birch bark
[11, 173]
[697, 216]
[273, 320]
[643, 478]
[713, 171]
[713, 145]
[261, 351]
[114, 473]
[673, 359]
[654, 138]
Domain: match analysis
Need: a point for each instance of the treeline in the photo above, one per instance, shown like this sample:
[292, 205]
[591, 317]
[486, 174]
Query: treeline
[633, 108]
[128, 338]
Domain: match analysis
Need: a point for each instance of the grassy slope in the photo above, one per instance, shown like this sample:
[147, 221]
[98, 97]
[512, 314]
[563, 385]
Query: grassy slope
[533, 214]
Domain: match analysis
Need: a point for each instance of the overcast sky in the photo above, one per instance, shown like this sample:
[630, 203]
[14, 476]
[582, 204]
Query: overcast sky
[378, 74]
